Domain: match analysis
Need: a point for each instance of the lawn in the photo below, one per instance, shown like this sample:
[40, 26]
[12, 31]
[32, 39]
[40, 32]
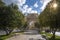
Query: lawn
[48, 35]
[3, 37]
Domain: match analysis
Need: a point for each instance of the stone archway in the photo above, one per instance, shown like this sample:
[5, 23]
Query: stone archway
[31, 19]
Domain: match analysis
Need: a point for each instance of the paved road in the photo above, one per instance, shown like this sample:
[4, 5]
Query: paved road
[27, 36]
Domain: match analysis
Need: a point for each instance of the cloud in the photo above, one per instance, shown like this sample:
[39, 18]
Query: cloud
[36, 5]
[20, 2]
[34, 11]
[45, 2]
[27, 9]
[8, 1]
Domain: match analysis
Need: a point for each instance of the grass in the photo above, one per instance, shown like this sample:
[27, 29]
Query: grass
[48, 35]
[3, 37]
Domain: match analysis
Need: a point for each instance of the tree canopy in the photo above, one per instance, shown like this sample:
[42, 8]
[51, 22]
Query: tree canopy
[51, 16]
[10, 17]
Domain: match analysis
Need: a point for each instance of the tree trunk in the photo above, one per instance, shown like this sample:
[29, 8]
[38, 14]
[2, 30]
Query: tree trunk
[5, 30]
[53, 37]
[10, 31]
[7, 33]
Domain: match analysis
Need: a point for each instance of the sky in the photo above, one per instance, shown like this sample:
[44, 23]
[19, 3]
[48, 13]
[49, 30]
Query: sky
[29, 6]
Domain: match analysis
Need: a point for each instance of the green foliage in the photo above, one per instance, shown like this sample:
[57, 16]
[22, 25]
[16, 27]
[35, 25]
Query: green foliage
[1, 3]
[48, 35]
[51, 17]
[10, 17]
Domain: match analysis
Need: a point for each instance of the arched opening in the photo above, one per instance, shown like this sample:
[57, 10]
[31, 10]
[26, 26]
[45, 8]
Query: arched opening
[31, 19]
[31, 25]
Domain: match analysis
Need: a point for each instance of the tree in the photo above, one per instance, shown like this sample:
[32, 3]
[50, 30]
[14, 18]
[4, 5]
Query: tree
[10, 17]
[24, 27]
[50, 17]
[1, 3]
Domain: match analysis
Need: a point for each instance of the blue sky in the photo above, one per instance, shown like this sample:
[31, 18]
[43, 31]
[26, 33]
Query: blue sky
[29, 6]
